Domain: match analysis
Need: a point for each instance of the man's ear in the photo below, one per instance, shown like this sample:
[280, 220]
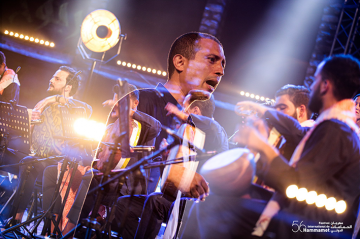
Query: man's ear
[324, 87]
[196, 110]
[68, 88]
[179, 62]
[136, 103]
[301, 111]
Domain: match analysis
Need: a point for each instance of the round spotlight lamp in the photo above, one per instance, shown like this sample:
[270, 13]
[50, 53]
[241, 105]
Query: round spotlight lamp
[100, 30]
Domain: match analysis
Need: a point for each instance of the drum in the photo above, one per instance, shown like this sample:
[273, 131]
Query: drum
[229, 173]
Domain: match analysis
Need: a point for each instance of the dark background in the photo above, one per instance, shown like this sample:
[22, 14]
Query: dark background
[151, 26]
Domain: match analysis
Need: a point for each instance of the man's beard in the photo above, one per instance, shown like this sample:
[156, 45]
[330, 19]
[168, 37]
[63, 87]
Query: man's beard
[295, 115]
[315, 102]
[53, 91]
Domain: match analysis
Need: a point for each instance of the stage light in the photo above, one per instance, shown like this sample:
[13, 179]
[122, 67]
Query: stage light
[26, 37]
[36, 40]
[52, 44]
[118, 62]
[267, 99]
[148, 69]
[262, 98]
[32, 39]
[16, 35]
[330, 203]
[340, 206]
[47, 43]
[138, 67]
[124, 63]
[311, 197]
[6, 32]
[133, 66]
[292, 191]
[89, 128]
[159, 72]
[21, 36]
[301, 194]
[242, 93]
[100, 30]
[257, 97]
[320, 200]
[41, 42]
[143, 68]
[247, 94]
[11, 34]
[153, 71]
[128, 65]
[164, 73]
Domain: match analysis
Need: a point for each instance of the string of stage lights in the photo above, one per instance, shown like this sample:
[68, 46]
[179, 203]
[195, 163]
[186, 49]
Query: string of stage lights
[143, 68]
[257, 97]
[29, 38]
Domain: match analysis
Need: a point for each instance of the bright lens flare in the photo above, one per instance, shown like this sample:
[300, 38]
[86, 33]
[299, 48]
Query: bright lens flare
[89, 128]
[330, 203]
[291, 191]
[320, 200]
[340, 206]
[311, 197]
[301, 194]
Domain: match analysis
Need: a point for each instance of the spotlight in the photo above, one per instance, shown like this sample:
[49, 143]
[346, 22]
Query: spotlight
[21, 36]
[138, 67]
[11, 34]
[124, 63]
[159, 72]
[301, 194]
[257, 97]
[153, 71]
[16, 35]
[148, 69]
[128, 65]
[6, 32]
[89, 128]
[247, 94]
[311, 197]
[164, 73]
[118, 62]
[47, 43]
[330, 203]
[41, 42]
[143, 68]
[133, 66]
[262, 98]
[36, 40]
[31, 39]
[242, 93]
[340, 206]
[320, 200]
[26, 37]
[291, 191]
[52, 44]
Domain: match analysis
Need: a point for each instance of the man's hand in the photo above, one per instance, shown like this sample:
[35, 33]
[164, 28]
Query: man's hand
[249, 108]
[190, 183]
[199, 188]
[172, 109]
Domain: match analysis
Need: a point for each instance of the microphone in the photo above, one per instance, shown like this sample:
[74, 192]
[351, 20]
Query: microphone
[143, 148]
[18, 69]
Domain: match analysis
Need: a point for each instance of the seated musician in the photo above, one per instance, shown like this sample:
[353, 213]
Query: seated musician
[325, 161]
[144, 130]
[62, 87]
[202, 113]
[9, 82]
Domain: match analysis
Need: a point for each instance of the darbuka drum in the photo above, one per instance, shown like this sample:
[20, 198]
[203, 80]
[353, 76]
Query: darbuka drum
[230, 173]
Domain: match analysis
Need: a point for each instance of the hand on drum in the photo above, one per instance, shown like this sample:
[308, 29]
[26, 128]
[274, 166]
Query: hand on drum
[248, 108]
[199, 188]
[248, 135]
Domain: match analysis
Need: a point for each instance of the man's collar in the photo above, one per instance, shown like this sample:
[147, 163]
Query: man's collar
[166, 95]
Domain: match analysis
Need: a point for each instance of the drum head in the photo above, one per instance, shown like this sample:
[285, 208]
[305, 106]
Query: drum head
[230, 173]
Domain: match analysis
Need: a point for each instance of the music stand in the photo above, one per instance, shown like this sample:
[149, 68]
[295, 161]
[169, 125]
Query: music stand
[14, 128]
